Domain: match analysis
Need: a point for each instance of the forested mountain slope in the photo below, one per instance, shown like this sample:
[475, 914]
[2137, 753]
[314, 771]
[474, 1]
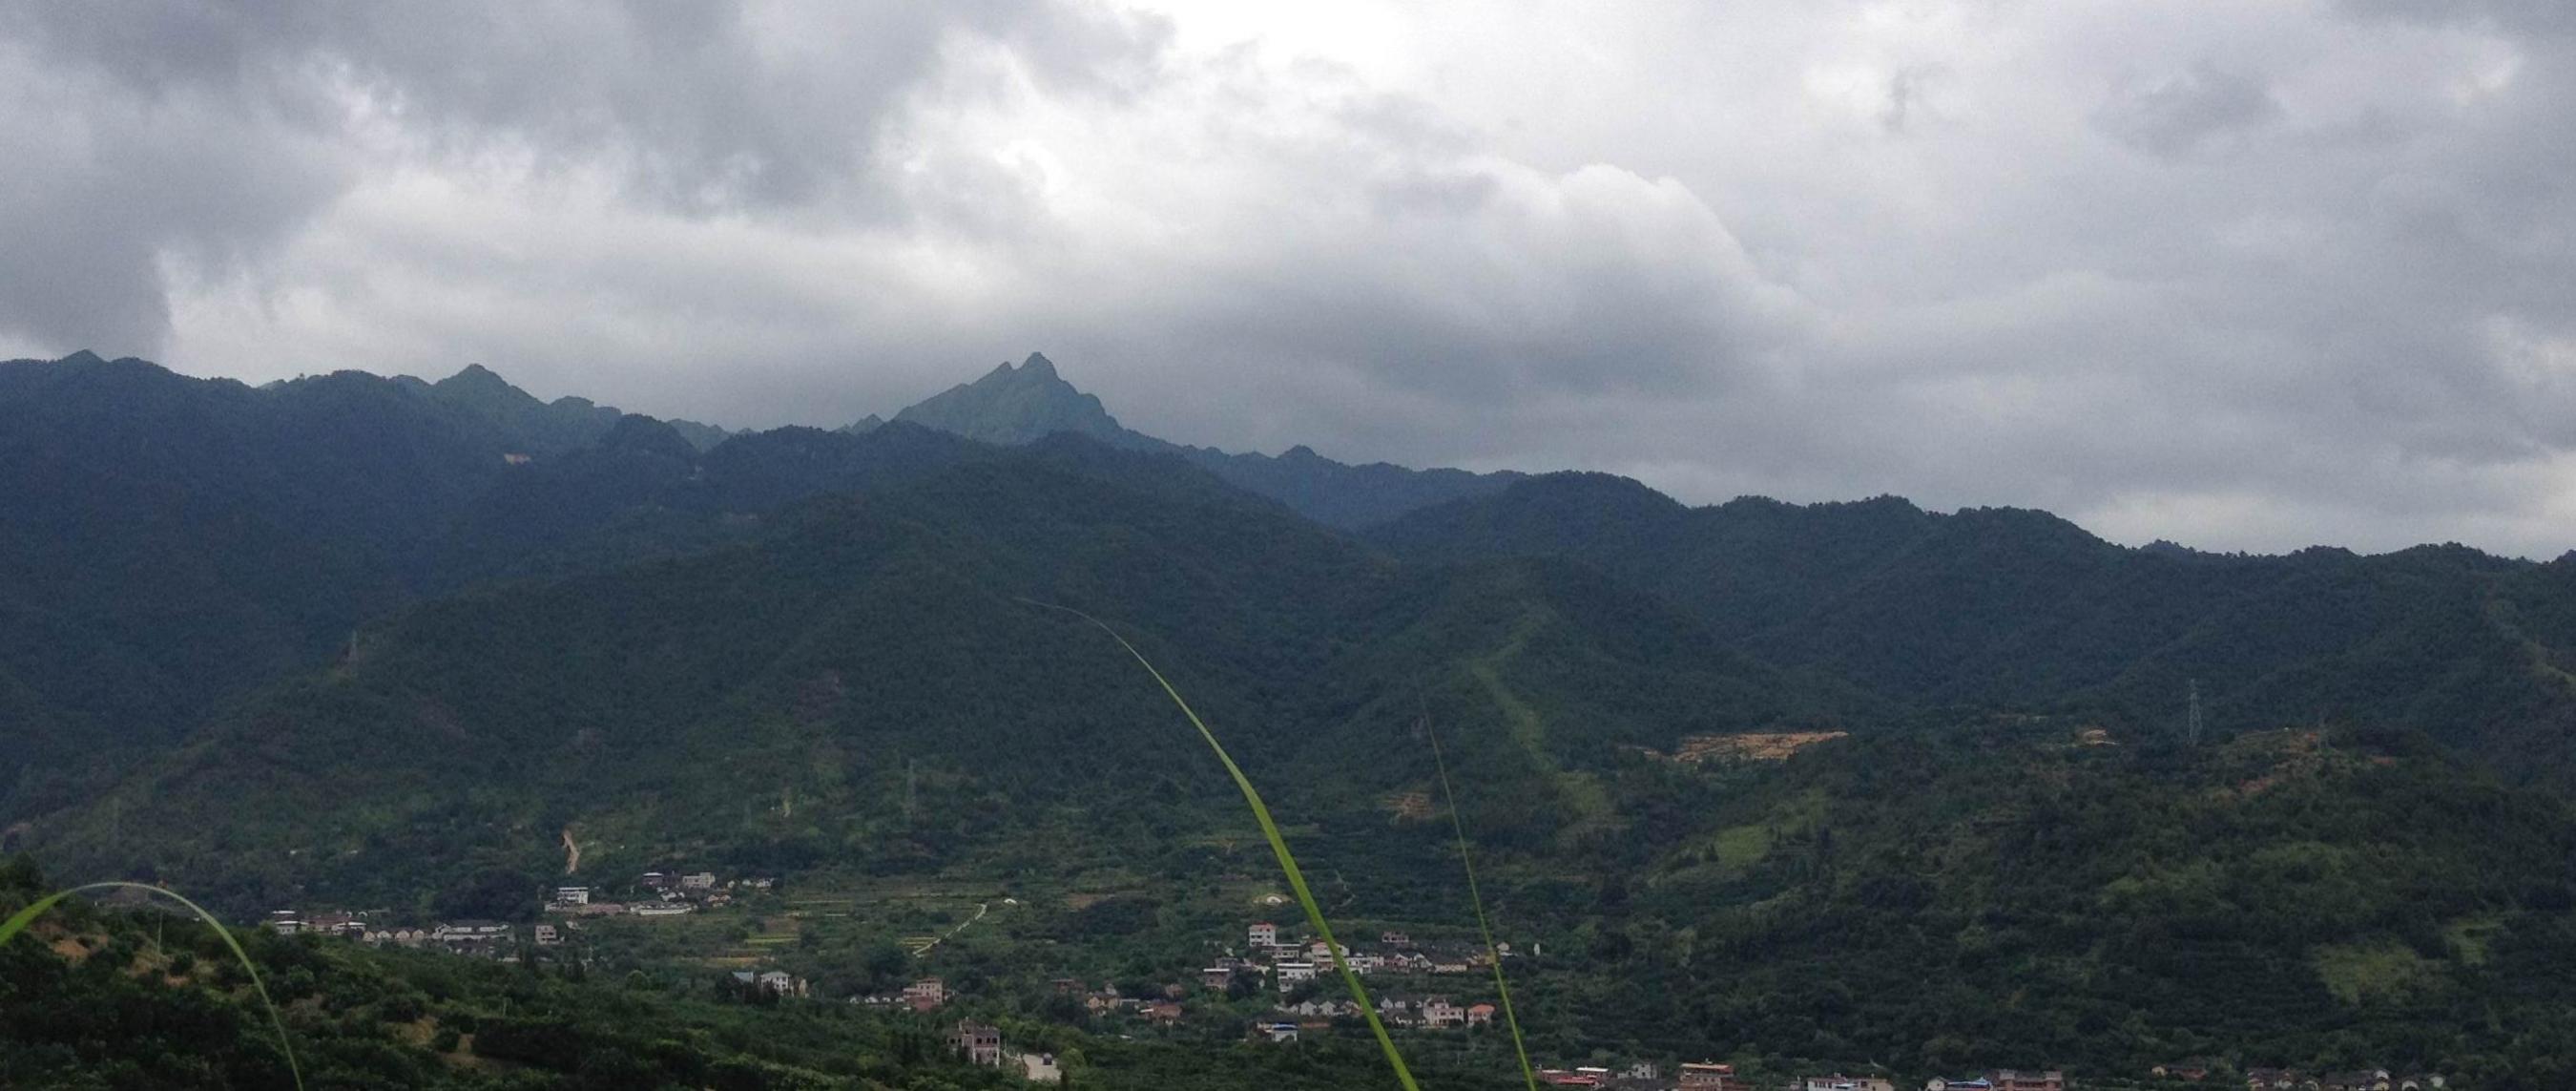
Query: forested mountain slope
[331, 647]
[2031, 892]
[867, 640]
[174, 542]
[2003, 607]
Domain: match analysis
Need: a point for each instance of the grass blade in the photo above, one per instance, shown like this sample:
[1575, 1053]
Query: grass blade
[1278, 848]
[17, 923]
[1466, 860]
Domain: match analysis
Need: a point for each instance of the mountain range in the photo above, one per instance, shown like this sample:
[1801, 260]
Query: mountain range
[180, 541]
[364, 641]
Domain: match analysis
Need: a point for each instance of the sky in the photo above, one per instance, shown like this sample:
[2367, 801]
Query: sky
[2239, 275]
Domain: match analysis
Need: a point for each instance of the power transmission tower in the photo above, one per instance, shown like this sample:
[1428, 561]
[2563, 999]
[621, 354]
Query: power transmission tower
[2195, 713]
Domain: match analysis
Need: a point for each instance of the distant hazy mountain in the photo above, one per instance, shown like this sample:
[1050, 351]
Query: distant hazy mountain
[1017, 405]
[1014, 405]
[540, 427]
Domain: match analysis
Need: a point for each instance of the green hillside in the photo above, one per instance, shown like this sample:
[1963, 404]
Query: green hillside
[119, 998]
[2020, 609]
[1800, 787]
[868, 640]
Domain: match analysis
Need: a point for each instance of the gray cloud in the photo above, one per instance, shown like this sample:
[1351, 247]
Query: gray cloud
[2178, 115]
[205, 131]
[2254, 278]
[2519, 16]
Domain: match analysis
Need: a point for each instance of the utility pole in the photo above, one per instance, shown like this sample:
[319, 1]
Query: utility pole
[911, 779]
[2195, 713]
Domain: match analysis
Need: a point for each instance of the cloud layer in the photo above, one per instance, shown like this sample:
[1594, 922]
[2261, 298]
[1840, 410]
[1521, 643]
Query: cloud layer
[2247, 276]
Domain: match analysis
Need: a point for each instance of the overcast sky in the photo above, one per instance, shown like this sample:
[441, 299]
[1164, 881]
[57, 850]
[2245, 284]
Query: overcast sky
[2242, 275]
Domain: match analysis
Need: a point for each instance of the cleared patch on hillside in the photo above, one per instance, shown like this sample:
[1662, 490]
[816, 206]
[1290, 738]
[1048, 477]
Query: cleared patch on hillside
[1730, 851]
[1746, 746]
[2378, 970]
[1407, 806]
[2470, 938]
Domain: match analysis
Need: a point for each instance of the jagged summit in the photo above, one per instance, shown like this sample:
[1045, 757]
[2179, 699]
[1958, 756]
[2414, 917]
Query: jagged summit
[485, 386]
[1014, 405]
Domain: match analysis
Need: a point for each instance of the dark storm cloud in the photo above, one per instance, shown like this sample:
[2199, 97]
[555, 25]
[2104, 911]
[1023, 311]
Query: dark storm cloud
[204, 131]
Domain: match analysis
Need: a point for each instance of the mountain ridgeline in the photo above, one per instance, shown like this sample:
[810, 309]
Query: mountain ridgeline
[1015, 405]
[2007, 608]
[177, 542]
[1782, 783]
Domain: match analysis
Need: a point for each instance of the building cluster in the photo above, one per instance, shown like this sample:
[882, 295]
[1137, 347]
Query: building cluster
[491, 939]
[981, 1044]
[2291, 1079]
[487, 939]
[289, 922]
[1163, 1008]
[773, 982]
[659, 894]
[1395, 1010]
[1293, 960]
[926, 995]
[2001, 1080]
[663, 896]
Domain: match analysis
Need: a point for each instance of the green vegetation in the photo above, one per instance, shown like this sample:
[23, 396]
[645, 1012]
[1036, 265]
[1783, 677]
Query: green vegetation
[320, 646]
[18, 922]
[118, 998]
[1279, 849]
[2004, 608]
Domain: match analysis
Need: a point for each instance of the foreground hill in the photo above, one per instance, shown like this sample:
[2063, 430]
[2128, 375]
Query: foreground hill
[119, 998]
[2038, 894]
[2011, 608]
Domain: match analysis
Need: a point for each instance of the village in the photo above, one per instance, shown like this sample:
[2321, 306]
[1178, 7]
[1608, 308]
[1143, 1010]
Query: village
[664, 895]
[1295, 971]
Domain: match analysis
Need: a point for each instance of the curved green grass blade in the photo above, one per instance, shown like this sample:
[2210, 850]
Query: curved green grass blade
[17, 923]
[1466, 861]
[1278, 848]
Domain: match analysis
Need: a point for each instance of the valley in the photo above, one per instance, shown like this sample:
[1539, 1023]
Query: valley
[1782, 791]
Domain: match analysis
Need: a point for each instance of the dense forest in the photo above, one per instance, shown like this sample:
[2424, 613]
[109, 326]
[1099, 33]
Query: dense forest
[1795, 787]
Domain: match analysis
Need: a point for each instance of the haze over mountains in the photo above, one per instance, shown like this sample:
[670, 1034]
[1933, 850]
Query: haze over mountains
[358, 640]
[183, 540]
